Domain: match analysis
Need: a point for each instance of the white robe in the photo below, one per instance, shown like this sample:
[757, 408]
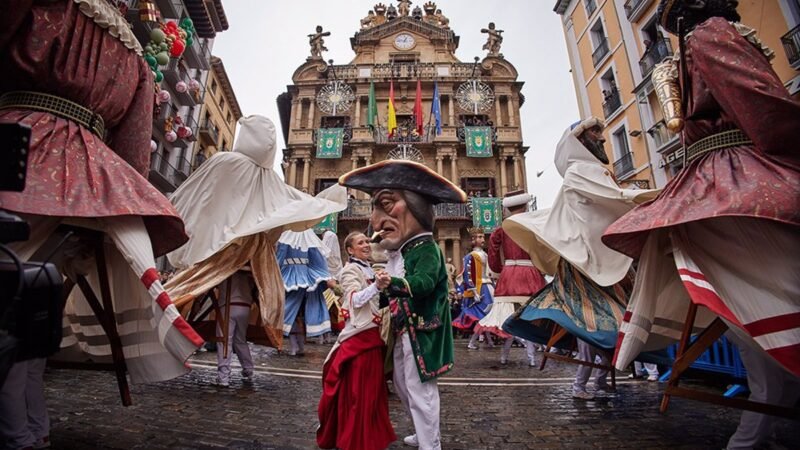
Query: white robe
[587, 203]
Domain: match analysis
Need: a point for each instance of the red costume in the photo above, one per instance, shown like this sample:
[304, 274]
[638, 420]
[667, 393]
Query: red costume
[83, 51]
[52, 47]
[516, 279]
[519, 279]
[746, 195]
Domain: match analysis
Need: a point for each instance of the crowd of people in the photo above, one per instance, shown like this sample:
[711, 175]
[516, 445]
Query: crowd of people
[611, 269]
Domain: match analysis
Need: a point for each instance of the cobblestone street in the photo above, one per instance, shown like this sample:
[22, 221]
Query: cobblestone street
[484, 405]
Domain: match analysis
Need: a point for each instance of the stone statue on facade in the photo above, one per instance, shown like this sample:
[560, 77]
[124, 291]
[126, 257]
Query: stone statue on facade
[430, 13]
[404, 7]
[416, 14]
[443, 21]
[380, 14]
[317, 43]
[369, 21]
[494, 41]
[391, 13]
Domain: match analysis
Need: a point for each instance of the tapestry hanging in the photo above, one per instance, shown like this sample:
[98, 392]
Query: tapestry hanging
[329, 142]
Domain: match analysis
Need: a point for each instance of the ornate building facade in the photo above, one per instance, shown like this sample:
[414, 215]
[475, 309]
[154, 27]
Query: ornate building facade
[219, 115]
[400, 52]
[613, 46]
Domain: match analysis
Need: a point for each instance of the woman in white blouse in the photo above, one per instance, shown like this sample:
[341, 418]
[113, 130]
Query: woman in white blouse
[354, 410]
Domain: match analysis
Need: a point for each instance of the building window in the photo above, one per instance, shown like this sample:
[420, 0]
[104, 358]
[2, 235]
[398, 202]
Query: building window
[599, 43]
[214, 87]
[623, 164]
[229, 117]
[591, 7]
[222, 104]
[320, 184]
[611, 97]
[478, 187]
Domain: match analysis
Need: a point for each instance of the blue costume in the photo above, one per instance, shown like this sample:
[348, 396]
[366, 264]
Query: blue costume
[301, 257]
[476, 288]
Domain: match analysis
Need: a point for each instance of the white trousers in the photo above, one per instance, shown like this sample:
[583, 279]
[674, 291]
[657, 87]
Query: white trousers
[237, 342]
[421, 400]
[768, 383]
[529, 349]
[588, 353]
[23, 413]
[640, 368]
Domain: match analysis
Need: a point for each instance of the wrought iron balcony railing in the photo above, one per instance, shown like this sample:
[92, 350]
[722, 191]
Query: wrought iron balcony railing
[612, 104]
[632, 6]
[403, 70]
[658, 51]
[661, 135]
[624, 165]
[600, 52]
[405, 133]
[210, 131]
[791, 45]
[362, 208]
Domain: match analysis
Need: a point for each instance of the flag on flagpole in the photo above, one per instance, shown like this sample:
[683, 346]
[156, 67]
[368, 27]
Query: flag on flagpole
[391, 120]
[436, 108]
[418, 108]
[372, 108]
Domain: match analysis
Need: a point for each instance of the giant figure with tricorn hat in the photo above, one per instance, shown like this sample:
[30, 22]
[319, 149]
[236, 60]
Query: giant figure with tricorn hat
[403, 195]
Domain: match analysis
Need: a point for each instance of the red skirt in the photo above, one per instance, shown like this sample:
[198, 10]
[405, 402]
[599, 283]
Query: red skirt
[354, 408]
[72, 173]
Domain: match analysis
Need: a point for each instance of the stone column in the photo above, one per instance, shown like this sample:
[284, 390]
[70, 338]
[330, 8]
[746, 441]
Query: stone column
[524, 171]
[443, 246]
[298, 111]
[295, 113]
[511, 118]
[457, 253]
[311, 113]
[517, 173]
[354, 159]
[498, 112]
[306, 174]
[453, 171]
[358, 111]
[292, 172]
[439, 164]
[452, 121]
[503, 182]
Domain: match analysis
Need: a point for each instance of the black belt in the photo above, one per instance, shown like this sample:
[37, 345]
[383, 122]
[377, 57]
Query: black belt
[726, 139]
[39, 101]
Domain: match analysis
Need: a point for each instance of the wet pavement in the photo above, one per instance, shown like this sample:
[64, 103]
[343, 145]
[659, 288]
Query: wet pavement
[484, 406]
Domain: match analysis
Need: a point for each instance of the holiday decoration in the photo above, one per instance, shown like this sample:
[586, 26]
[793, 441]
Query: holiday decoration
[194, 85]
[169, 40]
[153, 145]
[171, 136]
[181, 86]
[164, 96]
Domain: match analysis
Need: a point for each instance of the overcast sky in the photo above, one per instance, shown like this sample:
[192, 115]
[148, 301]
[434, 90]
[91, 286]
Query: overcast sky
[267, 41]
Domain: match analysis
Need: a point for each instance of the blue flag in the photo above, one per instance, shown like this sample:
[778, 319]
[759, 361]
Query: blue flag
[436, 108]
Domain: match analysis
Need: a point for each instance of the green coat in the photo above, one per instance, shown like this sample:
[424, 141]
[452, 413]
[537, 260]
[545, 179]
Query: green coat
[424, 307]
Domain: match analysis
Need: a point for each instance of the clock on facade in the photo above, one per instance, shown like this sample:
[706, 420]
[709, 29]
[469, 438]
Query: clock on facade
[404, 41]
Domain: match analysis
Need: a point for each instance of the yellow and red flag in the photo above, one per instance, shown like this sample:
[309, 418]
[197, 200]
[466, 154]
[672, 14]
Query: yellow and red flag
[391, 121]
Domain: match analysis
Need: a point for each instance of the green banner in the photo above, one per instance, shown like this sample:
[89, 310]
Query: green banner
[479, 141]
[329, 142]
[328, 223]
[487, 213]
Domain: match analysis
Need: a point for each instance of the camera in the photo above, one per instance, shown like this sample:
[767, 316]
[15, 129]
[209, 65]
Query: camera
[30, 292]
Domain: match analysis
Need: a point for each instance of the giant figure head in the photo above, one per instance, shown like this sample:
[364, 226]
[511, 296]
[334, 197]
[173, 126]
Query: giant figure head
[403, 194]
[695, 12]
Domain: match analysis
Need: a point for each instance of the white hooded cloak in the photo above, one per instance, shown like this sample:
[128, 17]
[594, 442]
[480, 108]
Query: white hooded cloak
[587, 203]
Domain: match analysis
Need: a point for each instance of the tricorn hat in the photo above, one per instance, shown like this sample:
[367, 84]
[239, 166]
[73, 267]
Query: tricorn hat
[404, 175]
